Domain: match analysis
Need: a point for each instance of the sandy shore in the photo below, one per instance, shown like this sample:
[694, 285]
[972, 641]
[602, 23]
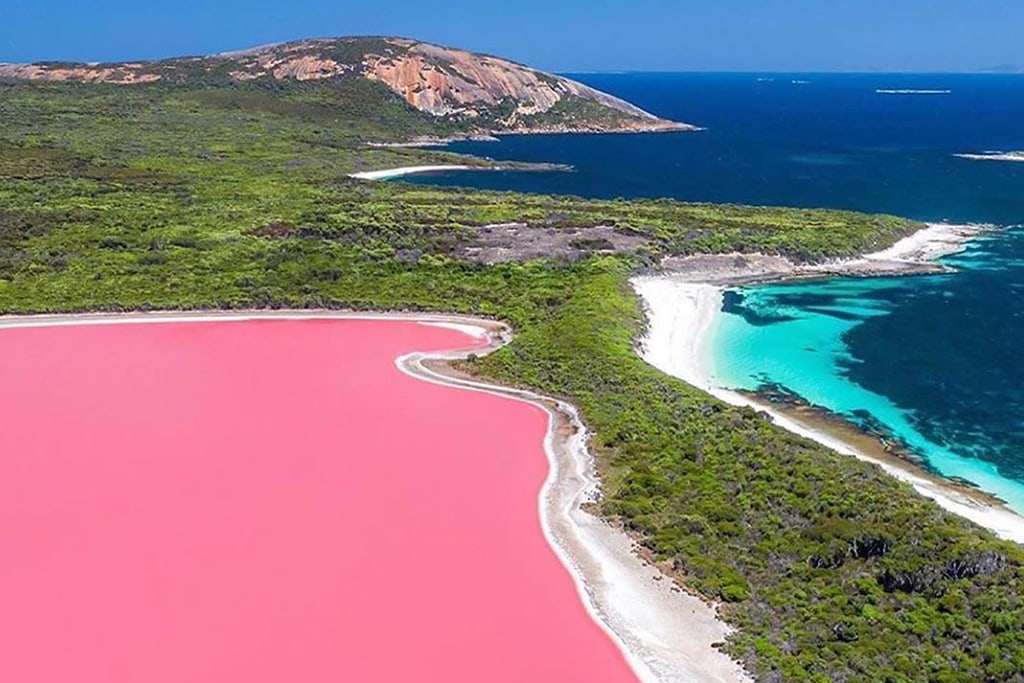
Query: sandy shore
[387, 173]
[913, 255]
[927, 245]
[682, 315]
[665, 633]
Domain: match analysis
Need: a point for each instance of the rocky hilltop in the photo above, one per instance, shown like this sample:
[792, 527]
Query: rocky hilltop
[481, 93]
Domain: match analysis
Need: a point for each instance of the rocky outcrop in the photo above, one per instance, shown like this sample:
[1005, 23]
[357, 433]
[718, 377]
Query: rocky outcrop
[444, 81]
[485, 93]
[448, 82]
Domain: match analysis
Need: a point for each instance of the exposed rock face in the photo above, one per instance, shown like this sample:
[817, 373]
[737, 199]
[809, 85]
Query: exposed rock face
[488, 93]
[445, 82]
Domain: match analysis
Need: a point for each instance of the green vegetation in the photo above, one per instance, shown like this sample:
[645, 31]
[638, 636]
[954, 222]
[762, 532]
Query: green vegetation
[163, 197]
[578, 113]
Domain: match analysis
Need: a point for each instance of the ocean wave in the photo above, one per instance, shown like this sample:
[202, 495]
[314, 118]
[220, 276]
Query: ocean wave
[907, 91]
[992, 156]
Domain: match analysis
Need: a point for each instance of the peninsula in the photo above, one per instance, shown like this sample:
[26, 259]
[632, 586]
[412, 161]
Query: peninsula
[472, 94]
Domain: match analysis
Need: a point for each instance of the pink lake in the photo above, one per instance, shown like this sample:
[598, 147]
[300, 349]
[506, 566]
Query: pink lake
[259, 501]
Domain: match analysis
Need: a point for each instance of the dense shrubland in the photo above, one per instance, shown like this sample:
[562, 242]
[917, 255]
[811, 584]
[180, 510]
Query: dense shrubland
[163, 198]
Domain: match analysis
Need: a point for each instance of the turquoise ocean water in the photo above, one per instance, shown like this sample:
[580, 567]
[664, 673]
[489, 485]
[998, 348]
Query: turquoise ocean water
[930, 363]
[935, 363]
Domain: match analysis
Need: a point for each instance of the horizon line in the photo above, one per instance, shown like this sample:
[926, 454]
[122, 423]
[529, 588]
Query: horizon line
[1000, 69]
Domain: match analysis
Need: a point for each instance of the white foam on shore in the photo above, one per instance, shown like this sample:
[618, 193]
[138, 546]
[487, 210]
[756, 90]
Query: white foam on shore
[926, 245]
[407, 170]
[681, 318]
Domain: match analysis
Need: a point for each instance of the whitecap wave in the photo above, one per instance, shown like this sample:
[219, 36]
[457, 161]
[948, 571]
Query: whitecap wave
[992, 156]
[909, 91]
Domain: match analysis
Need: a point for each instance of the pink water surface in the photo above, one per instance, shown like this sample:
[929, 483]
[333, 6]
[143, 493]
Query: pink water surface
[240, 502]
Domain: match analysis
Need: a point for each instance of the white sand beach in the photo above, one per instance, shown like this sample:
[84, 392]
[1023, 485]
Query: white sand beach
[387, 173]
[682, 316]
[914, 254]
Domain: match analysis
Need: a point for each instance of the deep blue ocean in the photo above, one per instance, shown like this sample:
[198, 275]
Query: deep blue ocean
[937, 362]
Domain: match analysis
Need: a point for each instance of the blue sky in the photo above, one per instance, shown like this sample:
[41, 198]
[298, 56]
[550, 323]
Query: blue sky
[562, 35]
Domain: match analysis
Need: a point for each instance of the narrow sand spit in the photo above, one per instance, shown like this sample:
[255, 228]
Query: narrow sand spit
[406, 170]
[913, 255]
[389, 173]
[682, 315]
[927, 245]
[665, 634]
